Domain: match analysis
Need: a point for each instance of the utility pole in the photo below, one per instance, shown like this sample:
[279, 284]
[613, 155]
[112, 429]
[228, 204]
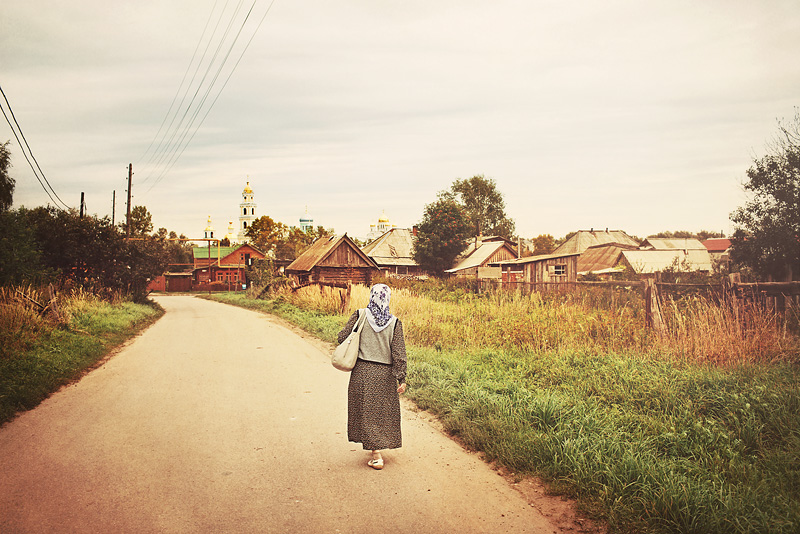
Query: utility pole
[128, 218]
[113, 206]
[81, 204]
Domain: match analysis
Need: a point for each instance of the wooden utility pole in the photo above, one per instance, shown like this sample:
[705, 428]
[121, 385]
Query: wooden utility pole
[113, 206]
[81, 204]
[128, 217]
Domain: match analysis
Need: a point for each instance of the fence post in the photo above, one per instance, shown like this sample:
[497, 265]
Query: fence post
[653, 318]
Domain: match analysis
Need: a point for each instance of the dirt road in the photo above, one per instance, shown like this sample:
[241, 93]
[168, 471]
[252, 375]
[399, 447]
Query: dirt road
[218, 419]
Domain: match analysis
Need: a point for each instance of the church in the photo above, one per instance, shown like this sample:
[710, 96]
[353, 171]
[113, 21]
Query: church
[247, 214]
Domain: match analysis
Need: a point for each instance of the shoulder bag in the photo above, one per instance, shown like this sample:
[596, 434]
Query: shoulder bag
[345, 355]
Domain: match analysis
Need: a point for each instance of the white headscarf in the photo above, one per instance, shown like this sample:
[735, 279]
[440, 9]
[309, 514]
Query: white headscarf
[378, 313]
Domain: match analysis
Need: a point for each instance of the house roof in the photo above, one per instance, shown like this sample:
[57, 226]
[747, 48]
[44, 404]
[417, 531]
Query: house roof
[672, 244]
[651, 261]
[481, 255]
[394, 247]
[717, 244]
[600, 258]
[583, 239]
[533, 259]
[202, 253]
[321, 249]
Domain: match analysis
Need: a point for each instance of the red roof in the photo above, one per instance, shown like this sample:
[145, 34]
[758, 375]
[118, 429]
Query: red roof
[718, 244]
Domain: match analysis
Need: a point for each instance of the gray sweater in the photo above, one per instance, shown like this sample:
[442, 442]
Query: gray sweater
[387, 346]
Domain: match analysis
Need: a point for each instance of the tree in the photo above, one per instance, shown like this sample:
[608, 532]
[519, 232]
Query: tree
[141, 222]
[441, 235]
[543, 244]
[483, 205]
[266, 234]
[22, 260]
[702, 235]
[6, 181]
[767, 234]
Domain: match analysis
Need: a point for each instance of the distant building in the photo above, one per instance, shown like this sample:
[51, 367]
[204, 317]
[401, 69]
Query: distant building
[247, 214]
[306, 222]
[208, 233]
[475, 261]
[377, 230]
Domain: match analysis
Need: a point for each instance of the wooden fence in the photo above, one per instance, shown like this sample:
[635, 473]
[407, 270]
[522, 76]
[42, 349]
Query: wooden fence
[772, 297]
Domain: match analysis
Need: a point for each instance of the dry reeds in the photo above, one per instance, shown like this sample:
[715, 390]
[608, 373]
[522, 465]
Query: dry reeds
[697, 329]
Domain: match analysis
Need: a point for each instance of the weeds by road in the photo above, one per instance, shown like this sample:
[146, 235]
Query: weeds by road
[38, 354]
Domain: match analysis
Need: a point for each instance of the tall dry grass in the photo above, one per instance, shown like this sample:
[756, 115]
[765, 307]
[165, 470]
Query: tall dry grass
[585, 320]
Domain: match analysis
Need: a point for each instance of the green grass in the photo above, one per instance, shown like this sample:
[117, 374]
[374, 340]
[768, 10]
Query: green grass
[58, 355]
[645, 442]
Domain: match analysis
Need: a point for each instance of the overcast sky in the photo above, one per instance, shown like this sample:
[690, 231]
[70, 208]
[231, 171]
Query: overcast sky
[629, 115]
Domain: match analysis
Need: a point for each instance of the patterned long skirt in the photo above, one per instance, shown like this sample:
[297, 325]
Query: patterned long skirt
[373, 407]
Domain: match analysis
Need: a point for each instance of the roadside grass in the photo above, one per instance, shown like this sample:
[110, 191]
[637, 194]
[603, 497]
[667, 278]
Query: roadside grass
[697, 430]
[44, 354]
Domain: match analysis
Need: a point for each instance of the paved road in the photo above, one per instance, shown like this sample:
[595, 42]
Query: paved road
[218, 419]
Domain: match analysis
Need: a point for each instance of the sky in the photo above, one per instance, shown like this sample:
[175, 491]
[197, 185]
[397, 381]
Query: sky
[627, 115]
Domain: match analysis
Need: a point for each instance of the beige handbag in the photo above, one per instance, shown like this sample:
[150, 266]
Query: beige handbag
[345, 355]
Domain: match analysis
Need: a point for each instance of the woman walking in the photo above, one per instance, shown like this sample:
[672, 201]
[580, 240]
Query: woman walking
[378, 378]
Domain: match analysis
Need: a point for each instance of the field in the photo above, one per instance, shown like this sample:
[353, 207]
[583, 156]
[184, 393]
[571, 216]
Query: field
[40, 353]
[695, 430]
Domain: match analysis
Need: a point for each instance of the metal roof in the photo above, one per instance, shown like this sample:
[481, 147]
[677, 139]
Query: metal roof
[480, 255]
[672, 244]
[601, 257]
[394, 247]
[583, 239]
[532, 259]
[652, 261]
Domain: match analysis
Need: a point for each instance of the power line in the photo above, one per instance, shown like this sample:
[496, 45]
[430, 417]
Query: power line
[188, 67]
[14, 131]
[178, 142]
[219, 93]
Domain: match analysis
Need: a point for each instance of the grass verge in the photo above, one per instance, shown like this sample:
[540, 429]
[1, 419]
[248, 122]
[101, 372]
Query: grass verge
[644, 440]
[60, 354]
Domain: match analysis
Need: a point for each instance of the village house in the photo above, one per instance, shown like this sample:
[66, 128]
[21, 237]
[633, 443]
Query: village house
[543, 272]
[393, 253]
[583, 239]
[603, 260]
[657, 255]
[478, 260]
[222, 264]
[333, 260]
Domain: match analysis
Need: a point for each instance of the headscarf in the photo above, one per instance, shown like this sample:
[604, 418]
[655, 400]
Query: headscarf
[378, 313]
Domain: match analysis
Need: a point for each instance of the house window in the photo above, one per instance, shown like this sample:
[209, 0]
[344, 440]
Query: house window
[559, 270]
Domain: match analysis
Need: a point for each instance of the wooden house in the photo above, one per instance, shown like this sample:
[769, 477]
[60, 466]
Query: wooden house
[333, 260]
[542, 272]
[583, 239]
[222, 264]
[656, 255]
[393, 252]
[479, 260]
[603, 260]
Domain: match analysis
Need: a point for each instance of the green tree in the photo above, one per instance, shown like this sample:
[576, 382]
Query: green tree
[22, 260]
[767, 234]
[266, 234]
[441, 235]
[543, 244]
[702, 235]
[141, 222]
[6, 181]
[483, 205]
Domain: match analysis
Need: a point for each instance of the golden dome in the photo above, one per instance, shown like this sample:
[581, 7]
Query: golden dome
[247, 189]
[383, 218]
[209, 228]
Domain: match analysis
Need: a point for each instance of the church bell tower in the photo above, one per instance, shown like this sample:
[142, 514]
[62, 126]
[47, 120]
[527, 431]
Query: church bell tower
[247, 213]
